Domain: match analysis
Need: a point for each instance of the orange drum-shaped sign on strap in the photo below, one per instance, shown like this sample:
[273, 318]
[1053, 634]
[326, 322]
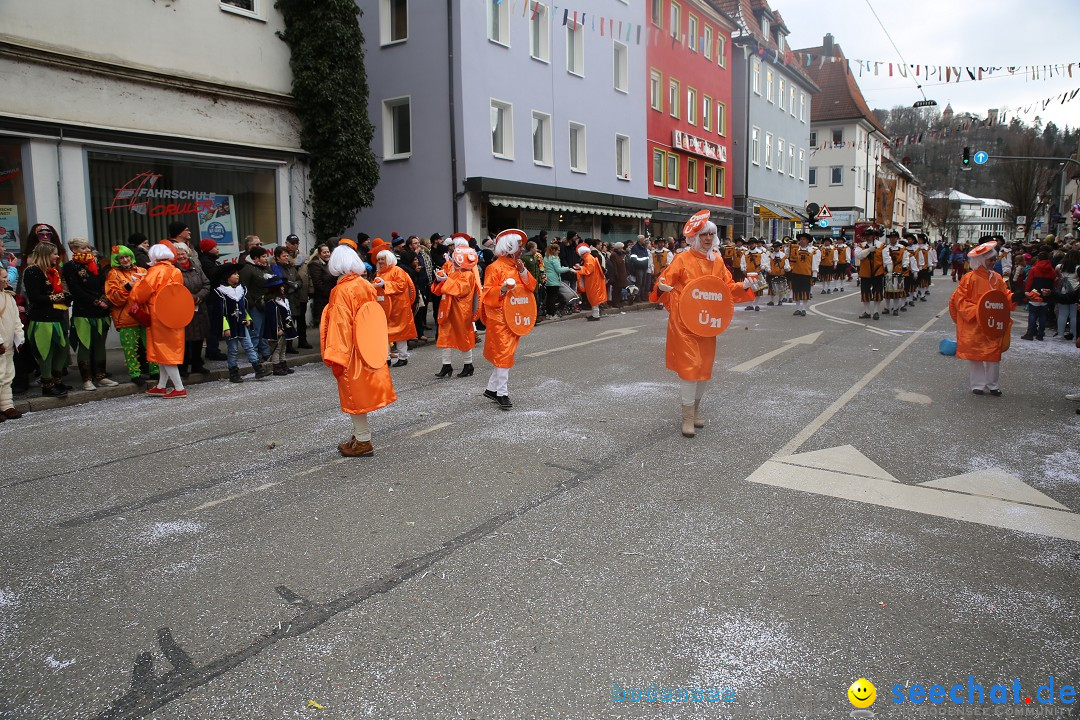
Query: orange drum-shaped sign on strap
[705, 306]
[173, 307]
[695, 223]
[519, 309]
[369, 334]
[993, 313]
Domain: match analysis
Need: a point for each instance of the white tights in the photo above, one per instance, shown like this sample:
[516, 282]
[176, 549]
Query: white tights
[167, 373]
[448, 355]
[499, 381]
[361, 430]
[691, 390]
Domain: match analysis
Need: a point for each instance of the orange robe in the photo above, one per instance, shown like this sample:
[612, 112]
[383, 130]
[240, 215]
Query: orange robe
[456, 327]
[500, 343]
[361, 388]
[119, 296]
[690, 355]
[164, 345]
[971, 342]
[591, 280]
[399, 290]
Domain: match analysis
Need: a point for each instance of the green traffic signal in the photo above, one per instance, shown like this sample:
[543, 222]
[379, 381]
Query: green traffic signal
[967, 155]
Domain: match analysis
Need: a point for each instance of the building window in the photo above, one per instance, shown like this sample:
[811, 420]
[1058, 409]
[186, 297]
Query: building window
[619, 69]
[540, 34]
[755, 145]
[781, 97]
[813, 138]
[791, 101]
[837, 137]
[691, 175]
[791, 160]
[622, 157]
[721, 119]
[802, 164]
[498, 17]
[836, 175]
[575, 49]
[721, 49]
[241, 7]
[673, 97]
[578, 157]
[755, 75]
[393, 21]
[765, 26]
[656, 94]
[676, 19]
[502, 129]
[691, 106]
[780, 41]
[706, 113]
[802, 106]
[709, 178]
[769, 85]
[397, 128]
[768, 151]
[656, 12]
[659, 159]
[541, 138]
[812, 179]
[780, 155]
[673, 171]
[707, 42]
[691, 32]
[721, 181]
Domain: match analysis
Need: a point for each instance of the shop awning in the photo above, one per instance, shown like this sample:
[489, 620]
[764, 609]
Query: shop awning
[791, 216]
[564, 206]
[767, 212]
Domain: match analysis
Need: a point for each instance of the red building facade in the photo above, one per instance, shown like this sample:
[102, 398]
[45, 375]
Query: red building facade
[689, 91]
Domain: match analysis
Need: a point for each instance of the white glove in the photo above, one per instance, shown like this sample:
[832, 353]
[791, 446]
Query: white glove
[664, 287]
[440, 276]
[509, 283]
[378, 282]
[747, 284]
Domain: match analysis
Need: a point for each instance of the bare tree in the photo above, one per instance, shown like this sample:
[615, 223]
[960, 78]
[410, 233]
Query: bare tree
[1022, 182]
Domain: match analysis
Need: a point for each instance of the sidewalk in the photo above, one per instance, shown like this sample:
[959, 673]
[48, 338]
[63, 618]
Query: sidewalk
[32, 401]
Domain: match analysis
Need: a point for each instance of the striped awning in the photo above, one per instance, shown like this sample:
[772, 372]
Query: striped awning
[767, 212]
[565, 206]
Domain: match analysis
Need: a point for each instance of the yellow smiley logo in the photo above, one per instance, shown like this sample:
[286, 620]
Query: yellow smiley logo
[862, 693]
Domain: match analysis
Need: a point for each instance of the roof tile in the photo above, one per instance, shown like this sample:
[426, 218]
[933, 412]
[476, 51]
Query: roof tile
[840, 97]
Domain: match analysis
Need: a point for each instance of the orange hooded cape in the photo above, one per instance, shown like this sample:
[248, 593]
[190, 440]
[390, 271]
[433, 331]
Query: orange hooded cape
[361, 388]
[164, 345]
[456, 310]
[591, 280]
[399, 290]
[500, 343]
[690, 355]
[971, 342]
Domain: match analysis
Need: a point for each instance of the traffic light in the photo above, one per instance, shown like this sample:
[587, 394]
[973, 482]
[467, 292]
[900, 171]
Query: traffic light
[967, 156]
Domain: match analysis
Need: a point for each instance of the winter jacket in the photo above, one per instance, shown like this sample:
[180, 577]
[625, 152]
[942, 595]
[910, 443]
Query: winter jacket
[197, 284]
[1041, 277]
[86, 289]
[38, 291]
[235, 316]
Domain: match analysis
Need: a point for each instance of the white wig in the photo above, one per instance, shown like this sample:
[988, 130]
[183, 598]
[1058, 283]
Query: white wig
[583, 250]
[459, 242]
[387, 257]
[508, 242]
[345, 261]
[161, 252]
[698, 243]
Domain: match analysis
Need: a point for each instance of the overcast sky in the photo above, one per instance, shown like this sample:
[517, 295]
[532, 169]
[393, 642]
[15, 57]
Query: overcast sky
[952, 32]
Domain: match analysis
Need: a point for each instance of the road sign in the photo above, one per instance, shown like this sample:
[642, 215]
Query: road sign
[1021, 219]
[824, 213]
[980, 157]
[823, 223]
[812, 210]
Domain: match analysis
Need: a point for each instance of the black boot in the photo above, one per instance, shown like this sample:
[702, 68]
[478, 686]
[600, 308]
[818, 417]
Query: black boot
[279, 369]
[466, 370]
[402, 362]
[234, 375]
[261, 371]
[49, 389]
[447, 370]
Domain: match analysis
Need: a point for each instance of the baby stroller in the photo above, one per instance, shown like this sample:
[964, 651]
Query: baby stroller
[569, 302]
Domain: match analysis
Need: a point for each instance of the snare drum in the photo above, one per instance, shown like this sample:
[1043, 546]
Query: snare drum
[757, 281]
[894, 283]
[778, 286]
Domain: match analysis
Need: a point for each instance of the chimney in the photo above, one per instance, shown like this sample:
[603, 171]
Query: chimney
[827, 45]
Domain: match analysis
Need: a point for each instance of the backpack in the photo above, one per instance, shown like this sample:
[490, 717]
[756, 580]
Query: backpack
[1066, 288]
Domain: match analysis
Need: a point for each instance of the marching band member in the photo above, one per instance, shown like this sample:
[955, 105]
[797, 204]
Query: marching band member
[690, 355]
[362, 388]
[870, 258]
[804, 268]
[778, 270]
[827, 264]
[927, 261]
[591, 280]
[398, 289]
[756, 260]
[458, 290]
[500, 343]
[843, 265]
[896, 265]
[973, 343]
[911, 280]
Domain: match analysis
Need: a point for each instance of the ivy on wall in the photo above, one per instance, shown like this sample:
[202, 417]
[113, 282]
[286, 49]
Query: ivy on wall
[331, 92]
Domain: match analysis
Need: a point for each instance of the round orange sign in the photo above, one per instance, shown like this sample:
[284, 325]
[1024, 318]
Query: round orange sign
[173, 307]
[695, 223]
[519, 309]
[369, 333]
[993, 313]
[705, 306]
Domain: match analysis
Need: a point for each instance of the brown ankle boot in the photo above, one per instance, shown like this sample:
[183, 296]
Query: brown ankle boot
[699, 422]
[688, 421]
[356, 448]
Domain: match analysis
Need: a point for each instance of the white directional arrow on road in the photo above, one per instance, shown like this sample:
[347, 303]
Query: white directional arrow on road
[987, 497]
[788, 344]
[606, 335]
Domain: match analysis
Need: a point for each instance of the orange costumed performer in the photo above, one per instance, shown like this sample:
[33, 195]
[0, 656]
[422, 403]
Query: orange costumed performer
[353, 343]
[500, 342]
[591, 280]
[458, 291]
[691, 350]
[160, 292]
[981, 306]
[398, 289]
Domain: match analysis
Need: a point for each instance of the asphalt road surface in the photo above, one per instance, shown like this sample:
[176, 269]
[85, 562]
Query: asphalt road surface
[216, 559]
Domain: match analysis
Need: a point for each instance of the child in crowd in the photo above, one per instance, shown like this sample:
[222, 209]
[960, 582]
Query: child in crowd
[278, 326]
[11, 339]
[236, 321]
[121, 278]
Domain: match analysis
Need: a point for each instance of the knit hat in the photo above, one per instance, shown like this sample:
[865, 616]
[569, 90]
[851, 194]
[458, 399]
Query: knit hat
[206, 245]
[119, 251]
[175, 228]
